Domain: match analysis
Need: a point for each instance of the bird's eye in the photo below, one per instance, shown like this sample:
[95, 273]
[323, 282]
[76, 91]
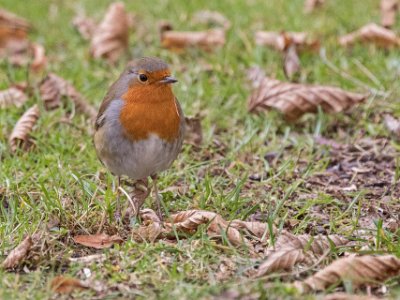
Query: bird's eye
[142, 77]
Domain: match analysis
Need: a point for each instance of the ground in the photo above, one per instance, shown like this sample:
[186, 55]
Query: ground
[249, 167]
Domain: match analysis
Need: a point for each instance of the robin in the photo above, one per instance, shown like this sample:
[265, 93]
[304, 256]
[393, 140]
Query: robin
[140, 126]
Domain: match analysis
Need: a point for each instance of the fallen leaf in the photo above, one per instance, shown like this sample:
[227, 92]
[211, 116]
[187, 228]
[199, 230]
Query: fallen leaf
[17, 255]
[193, 131]
[310, 5]
[188, 222]
[211, 17]
[65, 285]
[290, 250]
[282, 40]
[371, 33]
[358, 270]
[98, 241]
[12, 96]
[389, 10]
[291, 63]
[283, 259]
[12, 27]
[257, 229]
[393, 125]
[148, 231]
[20, 135]
[39, 57]
[294, 100]
[53, 87]
[111, 37]
[178, 40]
[85, 26]
[345, 296]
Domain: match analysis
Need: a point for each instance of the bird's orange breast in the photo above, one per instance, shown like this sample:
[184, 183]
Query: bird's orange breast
[150, 110]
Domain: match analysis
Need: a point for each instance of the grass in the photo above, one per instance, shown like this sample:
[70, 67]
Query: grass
[62, 180]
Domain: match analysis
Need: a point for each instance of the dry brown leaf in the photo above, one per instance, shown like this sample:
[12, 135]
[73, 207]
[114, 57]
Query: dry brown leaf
[12, 26]
[291, 63]
[389, 10]
[345, 296]
[211, 17]
[39, 57]
[290, 250]
[148, 231]
[12, 96]
[98, 241]
[294, 100]
[371, 33]
[393, 125]
[85, 26]
[317, 244]
[189, 221]
[20, 134]
[358, 270]
[194, 131]
[66, 285]
[17, 255]
[257, 229]
[283, 259]
[178, 40]
[310, 5]
[282, 40]
[53, 87]
[111, 37]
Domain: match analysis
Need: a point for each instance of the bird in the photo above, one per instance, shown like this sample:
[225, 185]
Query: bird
[140, 127]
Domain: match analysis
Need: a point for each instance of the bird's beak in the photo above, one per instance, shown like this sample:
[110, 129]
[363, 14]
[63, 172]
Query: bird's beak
[168, 79]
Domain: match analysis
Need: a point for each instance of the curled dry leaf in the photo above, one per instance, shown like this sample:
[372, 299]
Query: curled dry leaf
[211, 17]
[255, 229]
[282, 40]
[290, 250]
[194, 131]
[12, 96]
[317, 245]
[111, 37]
[85, 26]
[53, 87]
[294, 100]
[389, 9]
[39, 58]
[371, 33]
[178, 40]
[17, 255]
[148, 231]
[310, 5]
[98, 241]
[358, 270]
[393, 125]
[188, 222]
[283, 259]
[12, 27]
[291, 63]
[20, 134]
[66, 285]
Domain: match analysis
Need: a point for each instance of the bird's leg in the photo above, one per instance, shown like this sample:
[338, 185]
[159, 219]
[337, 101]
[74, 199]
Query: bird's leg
[117, 213]
[140, 193]
[157, 197]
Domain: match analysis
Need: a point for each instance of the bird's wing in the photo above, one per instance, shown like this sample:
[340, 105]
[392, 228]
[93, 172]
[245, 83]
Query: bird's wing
[109, 97]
